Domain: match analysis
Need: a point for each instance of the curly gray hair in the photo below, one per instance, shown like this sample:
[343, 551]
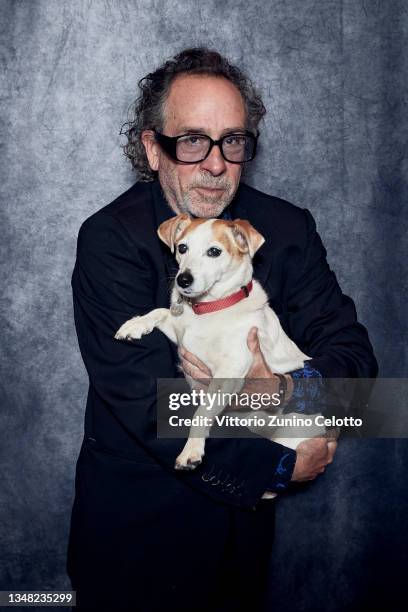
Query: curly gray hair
[147, 112]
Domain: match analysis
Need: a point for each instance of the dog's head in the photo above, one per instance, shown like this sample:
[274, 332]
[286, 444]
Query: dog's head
[210, 251]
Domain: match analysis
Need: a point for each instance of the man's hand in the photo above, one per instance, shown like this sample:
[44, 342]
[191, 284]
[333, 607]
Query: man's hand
[197, 369]
[313, 455]
[194, 367]
[312, 458]
[259, 369]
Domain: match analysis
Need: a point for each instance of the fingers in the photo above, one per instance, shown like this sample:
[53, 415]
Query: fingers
[193, 366]
[253, 340]
[313, 457]
[194, 372]
[195, 361]
[316, 446]
[259, 368]
[316, 473]
[331, 449]
[201, 385]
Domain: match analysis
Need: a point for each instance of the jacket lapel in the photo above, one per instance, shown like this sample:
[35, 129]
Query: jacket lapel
[162, 213]
[242, 208]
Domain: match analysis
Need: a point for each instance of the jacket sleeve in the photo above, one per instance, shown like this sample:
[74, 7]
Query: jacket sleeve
[323, 321]
[113, 280]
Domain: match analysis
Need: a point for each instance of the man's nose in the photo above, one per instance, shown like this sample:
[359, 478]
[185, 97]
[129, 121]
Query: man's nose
[214, 163]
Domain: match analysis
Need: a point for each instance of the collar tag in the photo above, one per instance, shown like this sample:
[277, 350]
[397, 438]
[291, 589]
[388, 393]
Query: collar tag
[177, 308]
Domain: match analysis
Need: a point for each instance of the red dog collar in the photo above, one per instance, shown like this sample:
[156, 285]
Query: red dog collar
[206, 307]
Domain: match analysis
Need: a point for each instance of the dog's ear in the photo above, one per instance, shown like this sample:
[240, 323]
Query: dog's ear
[247, 239]
[170, 229]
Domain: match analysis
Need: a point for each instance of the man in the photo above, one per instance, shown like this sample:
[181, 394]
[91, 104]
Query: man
[144, 537]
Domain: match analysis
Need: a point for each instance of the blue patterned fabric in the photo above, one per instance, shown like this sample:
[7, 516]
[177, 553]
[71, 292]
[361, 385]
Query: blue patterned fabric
[283, 473]
[305, 400]
[306, 397]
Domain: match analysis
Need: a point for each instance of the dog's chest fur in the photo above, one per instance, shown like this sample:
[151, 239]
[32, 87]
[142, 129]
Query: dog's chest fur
[219, 338]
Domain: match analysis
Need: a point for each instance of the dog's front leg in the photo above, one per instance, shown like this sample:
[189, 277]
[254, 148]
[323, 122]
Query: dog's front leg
[135, 328]
[215, 402]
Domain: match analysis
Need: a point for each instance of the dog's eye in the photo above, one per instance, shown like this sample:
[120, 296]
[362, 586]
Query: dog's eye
[214, 252]
[182, 248]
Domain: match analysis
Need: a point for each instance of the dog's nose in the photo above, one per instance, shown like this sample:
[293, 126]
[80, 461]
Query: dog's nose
[184, 280]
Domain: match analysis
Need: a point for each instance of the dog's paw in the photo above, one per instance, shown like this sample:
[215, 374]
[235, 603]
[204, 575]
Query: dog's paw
[191, 455]
[133, 329]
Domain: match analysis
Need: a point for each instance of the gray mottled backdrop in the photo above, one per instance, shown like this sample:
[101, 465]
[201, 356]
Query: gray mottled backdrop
[334, 77]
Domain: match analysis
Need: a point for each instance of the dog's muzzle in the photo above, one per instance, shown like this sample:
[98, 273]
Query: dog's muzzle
[184, 280]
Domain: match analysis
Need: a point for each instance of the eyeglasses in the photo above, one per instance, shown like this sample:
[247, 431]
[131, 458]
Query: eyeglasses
[193, 148]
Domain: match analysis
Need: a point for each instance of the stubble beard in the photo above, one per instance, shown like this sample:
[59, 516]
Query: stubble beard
[200, 205]
[197, 203]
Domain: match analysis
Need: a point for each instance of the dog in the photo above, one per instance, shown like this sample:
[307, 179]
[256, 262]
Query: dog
[214, 303]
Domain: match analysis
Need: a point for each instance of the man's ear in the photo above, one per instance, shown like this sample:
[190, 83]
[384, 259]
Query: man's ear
[247, 239]
[170, 229]
[151, 148]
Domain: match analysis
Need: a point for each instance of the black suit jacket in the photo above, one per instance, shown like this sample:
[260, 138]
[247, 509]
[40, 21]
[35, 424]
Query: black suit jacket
[123, 269]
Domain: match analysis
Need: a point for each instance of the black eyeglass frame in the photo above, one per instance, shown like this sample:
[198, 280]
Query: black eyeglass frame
[169, 145]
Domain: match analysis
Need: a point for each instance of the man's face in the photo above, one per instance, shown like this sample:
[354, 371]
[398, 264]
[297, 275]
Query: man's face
[213, 106]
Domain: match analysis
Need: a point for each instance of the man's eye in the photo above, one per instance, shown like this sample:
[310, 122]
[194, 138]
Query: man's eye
[182, 248]
[192, 140]
[236, 140]
[214, 252]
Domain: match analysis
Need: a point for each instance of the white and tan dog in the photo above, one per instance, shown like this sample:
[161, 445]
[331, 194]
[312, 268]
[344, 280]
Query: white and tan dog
[215, 303]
